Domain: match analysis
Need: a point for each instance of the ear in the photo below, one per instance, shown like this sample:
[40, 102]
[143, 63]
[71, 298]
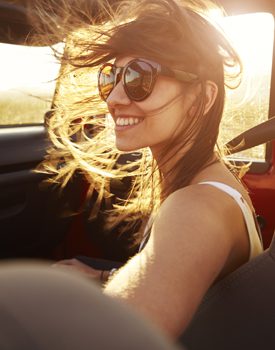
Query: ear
[211, 91]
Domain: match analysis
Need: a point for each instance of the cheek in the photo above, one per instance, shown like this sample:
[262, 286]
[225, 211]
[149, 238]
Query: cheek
[167, 123]
[164, 91]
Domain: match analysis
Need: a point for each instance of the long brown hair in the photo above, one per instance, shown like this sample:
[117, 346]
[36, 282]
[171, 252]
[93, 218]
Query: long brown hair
[177, 34]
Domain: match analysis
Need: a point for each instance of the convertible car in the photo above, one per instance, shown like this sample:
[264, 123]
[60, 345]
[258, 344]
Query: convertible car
[45, 222]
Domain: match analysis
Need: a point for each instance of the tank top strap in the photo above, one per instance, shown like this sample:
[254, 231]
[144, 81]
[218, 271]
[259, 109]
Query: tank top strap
[248, 213]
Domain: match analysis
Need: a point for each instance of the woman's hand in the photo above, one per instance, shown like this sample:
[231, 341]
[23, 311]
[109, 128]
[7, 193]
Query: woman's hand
[78, 266]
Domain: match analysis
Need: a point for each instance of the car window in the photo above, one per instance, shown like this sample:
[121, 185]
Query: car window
[27, 83]
[28, 80]
[253, 36]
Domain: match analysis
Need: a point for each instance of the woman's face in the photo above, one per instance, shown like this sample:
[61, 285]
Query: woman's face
[152, 122]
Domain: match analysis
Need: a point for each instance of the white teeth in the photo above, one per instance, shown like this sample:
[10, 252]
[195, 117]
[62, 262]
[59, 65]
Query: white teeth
[127, 121]
[131, 121]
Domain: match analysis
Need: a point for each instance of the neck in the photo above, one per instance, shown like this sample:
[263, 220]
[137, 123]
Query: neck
[168, 168]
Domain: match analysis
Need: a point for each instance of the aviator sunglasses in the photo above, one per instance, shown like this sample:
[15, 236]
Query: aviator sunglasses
[138, 78]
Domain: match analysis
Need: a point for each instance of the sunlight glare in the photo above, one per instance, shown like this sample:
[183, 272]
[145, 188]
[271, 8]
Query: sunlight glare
[26, 67]
[252, 36]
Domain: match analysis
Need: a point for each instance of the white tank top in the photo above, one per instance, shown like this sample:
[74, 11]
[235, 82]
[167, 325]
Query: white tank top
[253, 231]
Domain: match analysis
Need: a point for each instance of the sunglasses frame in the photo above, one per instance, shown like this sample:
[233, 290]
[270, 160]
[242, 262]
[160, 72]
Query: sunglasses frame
[156, 70]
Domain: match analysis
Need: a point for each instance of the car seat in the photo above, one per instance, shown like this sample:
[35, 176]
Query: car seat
[46, 308]
[239, 311]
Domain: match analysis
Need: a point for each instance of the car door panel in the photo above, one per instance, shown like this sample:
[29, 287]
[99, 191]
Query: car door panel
[22, 145]
[30, 213]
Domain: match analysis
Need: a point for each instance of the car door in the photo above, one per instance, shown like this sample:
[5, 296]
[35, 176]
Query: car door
[31, 221]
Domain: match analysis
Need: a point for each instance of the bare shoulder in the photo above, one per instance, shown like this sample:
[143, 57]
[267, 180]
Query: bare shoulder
[197, 201]
[189, 247]
[198, 215]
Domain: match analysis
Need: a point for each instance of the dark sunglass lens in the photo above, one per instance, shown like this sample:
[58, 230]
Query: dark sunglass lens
[138, 80]
[106, 81]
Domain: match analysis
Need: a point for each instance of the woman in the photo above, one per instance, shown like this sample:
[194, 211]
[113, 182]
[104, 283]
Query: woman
[163, 67]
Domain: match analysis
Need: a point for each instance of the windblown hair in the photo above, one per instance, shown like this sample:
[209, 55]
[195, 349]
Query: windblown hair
[177, 34]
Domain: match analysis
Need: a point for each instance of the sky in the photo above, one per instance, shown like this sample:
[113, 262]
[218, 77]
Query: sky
[27, 67]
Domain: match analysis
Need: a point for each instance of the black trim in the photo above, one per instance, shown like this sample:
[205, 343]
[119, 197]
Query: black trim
[20, 177]
[22, 146]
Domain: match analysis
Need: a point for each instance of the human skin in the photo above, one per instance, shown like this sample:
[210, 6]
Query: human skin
[154, 129]
[165, 113]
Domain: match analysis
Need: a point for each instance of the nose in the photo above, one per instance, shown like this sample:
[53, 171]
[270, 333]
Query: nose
[118, 96]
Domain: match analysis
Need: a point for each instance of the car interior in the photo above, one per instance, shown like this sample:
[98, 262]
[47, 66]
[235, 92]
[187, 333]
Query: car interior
[42, 221]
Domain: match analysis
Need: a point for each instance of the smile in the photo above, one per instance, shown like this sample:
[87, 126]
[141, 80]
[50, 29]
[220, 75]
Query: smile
[128, 121]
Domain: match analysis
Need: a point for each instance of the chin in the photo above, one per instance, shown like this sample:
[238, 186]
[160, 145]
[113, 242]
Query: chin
[123, 147]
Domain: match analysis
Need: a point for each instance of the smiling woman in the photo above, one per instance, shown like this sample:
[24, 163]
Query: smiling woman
[162, 70]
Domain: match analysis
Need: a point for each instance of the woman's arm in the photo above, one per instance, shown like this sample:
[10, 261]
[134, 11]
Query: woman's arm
[193, 239]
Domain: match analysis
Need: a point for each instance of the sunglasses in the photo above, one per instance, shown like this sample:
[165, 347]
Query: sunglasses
[138, 78]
